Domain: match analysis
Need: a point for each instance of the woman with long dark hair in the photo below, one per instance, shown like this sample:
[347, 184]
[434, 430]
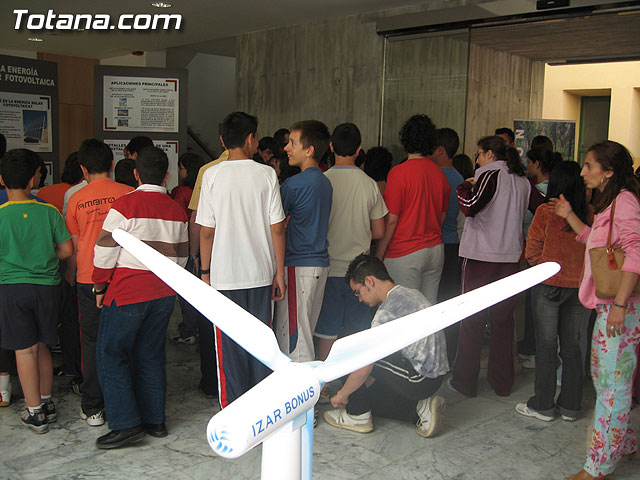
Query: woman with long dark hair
[608, 167]
[494, 202]
[558, 313]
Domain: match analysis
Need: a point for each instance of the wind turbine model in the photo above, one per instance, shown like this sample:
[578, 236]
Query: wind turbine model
[278, 412]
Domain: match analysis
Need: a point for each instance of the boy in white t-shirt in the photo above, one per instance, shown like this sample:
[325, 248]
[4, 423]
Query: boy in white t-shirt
[242, 245]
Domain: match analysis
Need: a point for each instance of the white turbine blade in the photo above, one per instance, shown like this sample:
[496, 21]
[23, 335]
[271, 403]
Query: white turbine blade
[245, 329]
[363, 348]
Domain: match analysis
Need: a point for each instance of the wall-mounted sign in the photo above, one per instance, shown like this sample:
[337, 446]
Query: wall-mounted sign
[561, 132]
[170, 147]
[25, 120]
[141, 104]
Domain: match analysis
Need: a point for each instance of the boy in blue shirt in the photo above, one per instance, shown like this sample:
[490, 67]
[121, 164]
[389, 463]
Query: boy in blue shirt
[306, 200]
[33, 238]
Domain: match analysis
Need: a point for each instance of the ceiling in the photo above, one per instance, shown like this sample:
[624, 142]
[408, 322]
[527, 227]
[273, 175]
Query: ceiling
[207, 25]
[210, 26]
[602, 36]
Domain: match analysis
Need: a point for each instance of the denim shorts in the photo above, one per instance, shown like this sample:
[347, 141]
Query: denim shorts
[341, 313]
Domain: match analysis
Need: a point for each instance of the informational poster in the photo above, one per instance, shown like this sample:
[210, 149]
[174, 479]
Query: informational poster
[170, 147]
[141, 104]
[25, 120]
[561, 132]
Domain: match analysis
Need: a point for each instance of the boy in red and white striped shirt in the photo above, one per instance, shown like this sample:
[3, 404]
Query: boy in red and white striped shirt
[137, 304]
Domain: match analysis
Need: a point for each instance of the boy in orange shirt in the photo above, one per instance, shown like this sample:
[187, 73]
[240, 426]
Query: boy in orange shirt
[85, 214]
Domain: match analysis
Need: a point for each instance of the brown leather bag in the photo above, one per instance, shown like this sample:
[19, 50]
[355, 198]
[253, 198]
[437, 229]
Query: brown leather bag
[606, 265]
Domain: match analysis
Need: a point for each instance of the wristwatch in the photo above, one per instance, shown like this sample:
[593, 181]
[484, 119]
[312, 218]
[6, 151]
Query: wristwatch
[99, 292]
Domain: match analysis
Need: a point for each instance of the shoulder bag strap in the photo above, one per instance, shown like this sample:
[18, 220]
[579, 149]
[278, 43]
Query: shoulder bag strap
[611, 259]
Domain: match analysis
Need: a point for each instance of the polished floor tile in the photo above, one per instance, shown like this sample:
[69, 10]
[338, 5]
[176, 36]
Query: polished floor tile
[483, 438]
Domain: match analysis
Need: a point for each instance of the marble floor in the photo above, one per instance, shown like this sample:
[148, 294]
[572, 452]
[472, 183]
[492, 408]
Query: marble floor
[483, 438]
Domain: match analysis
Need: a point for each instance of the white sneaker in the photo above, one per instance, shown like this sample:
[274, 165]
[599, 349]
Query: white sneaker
[356, 423]
[5, 397]
[95, 420]
[527, 361]
[430, 416]
[523, 409]
[568, 418]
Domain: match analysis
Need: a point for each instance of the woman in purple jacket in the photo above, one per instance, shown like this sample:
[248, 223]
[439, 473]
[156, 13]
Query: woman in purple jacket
[494, 202]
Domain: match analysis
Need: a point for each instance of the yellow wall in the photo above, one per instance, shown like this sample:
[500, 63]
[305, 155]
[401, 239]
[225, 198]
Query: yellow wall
[564, 85]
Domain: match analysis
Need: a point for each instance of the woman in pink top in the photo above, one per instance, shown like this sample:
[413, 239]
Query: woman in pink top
[608, 167]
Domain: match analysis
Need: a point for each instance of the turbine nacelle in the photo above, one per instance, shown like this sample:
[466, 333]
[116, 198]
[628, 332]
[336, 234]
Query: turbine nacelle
[283, 396]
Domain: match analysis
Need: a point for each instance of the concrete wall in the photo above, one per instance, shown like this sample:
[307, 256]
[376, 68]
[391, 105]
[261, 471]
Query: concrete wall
[329, 71]
[502, 87]
[212, 88]
[564, 85]
[424, 75]
[333, 71]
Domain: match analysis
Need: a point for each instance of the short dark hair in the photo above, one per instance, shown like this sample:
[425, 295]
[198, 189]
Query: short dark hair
[506, 131]
[377, 163]
[192, 162]
[266, 143]
[448, 139]
[236, 127]
[417, 135]
[123, 172]
[3, 145]
[44, 171]
[463, 164]
[95, 156]
[541, 141]
[138, 143]
[346, 139]
[280, 139]
[366, 265]
[72, 173]
[17, 167]
[313, 133]
[152, 165]
[545, 159]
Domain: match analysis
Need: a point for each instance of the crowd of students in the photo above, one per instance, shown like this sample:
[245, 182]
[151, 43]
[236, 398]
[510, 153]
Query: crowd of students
[336, 241]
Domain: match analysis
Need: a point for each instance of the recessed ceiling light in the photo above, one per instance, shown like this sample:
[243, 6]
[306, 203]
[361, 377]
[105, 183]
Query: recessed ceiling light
[35, 39]
[161, 5]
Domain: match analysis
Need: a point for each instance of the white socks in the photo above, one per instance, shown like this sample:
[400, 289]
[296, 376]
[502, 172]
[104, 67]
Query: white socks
[5, 381]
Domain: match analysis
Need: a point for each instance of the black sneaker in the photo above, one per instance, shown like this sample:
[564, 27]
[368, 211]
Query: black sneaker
[37, 421]
[50, 411]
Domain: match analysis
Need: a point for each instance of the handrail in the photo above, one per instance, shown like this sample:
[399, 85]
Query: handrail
[196, 138]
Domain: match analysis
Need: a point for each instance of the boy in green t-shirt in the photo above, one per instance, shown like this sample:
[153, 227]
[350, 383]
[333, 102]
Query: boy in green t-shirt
[33, 237]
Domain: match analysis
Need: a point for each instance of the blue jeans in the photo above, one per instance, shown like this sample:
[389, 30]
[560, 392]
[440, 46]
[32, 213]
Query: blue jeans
[558, 314]
[136, 332]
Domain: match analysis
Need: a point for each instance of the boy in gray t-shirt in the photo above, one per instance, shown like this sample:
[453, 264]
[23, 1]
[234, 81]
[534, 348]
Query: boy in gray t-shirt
[402, 385]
